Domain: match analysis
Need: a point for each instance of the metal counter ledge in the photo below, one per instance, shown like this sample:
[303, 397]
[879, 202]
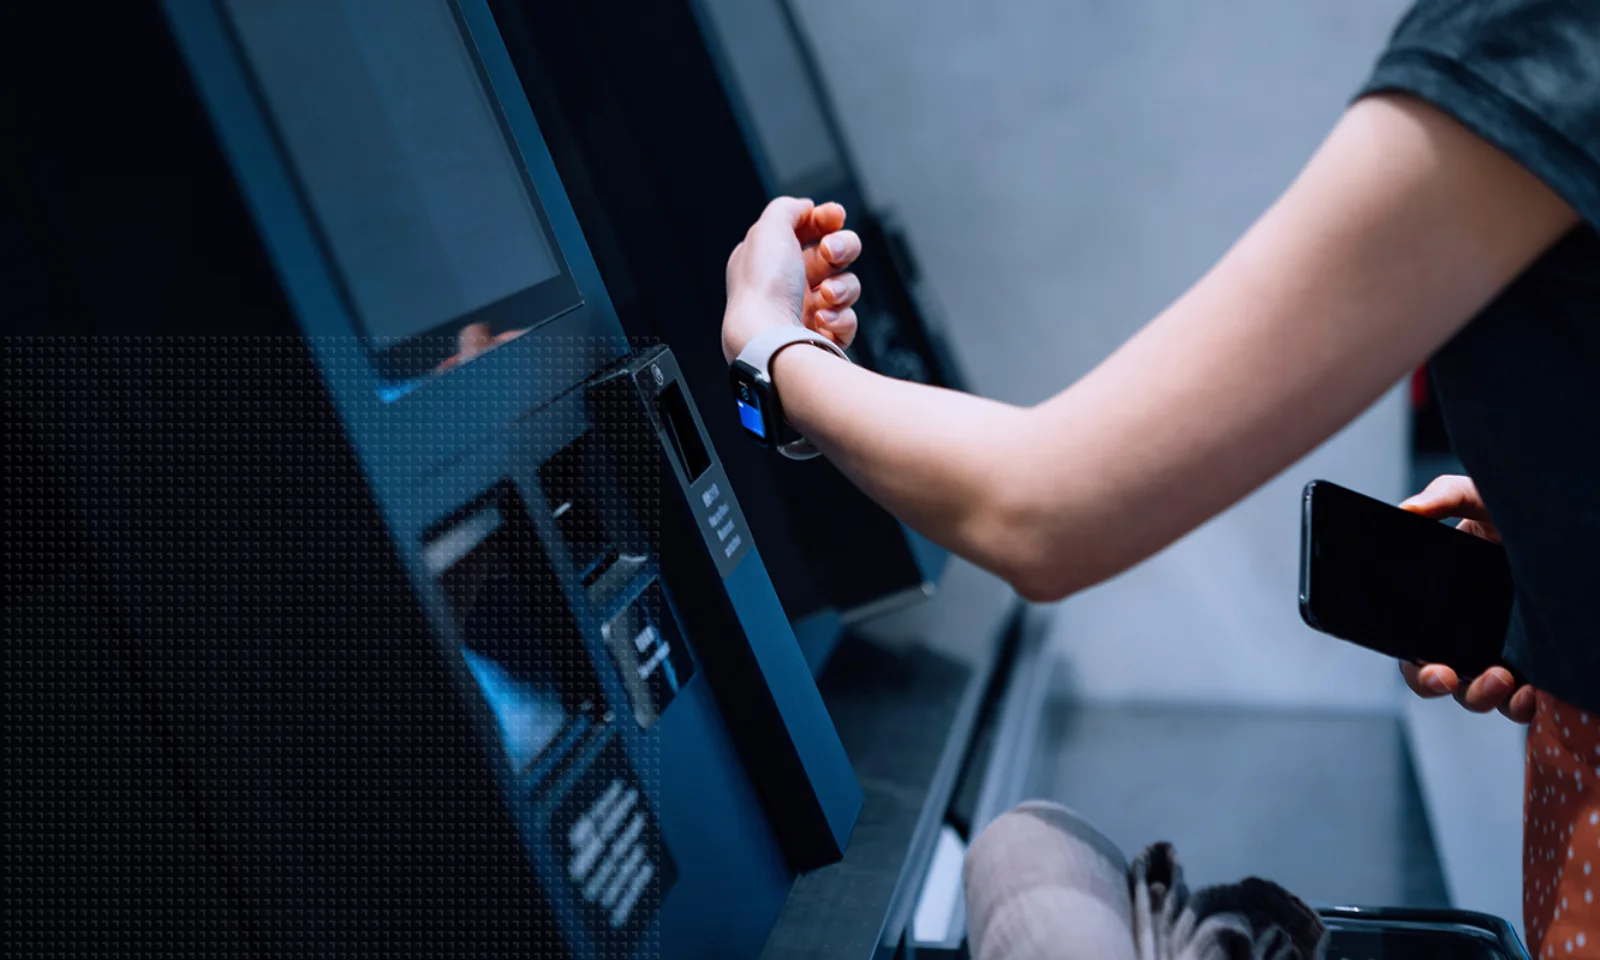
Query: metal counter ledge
[908, 716]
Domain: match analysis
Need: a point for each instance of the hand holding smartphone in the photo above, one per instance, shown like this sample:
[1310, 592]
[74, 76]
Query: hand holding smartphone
[1391, 581]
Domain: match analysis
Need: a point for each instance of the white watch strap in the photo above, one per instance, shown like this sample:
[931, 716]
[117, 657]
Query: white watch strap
[764, 346]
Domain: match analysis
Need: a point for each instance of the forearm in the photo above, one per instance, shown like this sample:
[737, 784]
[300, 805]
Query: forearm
[1053, 498]
[1057, 497]
[936, 458]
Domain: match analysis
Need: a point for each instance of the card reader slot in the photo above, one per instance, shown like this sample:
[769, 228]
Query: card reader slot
[687, 444]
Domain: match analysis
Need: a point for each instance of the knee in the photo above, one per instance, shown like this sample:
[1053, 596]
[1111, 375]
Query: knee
[1040, 882]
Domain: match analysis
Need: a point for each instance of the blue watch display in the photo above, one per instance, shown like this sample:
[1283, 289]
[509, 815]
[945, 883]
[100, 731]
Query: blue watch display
[755, 397]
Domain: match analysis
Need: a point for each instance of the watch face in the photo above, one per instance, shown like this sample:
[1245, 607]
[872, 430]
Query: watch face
[751, 400]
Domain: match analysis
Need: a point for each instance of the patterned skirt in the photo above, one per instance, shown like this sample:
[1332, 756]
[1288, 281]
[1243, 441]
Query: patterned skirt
[1561, 833]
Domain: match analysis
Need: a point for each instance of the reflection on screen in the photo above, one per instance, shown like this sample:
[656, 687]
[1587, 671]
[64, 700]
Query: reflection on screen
[401, 156]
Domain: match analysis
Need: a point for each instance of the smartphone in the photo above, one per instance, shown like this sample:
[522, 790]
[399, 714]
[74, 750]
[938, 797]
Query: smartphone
[1403, 585]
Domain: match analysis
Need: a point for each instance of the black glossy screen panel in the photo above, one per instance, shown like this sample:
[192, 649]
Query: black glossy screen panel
[398, 149]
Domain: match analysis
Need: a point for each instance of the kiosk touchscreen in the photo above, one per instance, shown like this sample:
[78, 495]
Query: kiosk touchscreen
[399, 153]
[432, 593]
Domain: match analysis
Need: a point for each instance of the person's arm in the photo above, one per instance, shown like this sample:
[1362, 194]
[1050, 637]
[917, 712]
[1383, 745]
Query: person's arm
[1402, 226]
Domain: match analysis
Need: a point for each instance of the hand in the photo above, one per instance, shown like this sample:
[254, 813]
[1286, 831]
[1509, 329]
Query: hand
[1495, 688]
[792, 269]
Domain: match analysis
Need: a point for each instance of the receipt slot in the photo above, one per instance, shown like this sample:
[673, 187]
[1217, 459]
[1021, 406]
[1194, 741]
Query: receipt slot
[665, 469]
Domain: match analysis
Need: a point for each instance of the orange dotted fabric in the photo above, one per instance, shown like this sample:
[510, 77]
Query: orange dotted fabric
[1561, 833]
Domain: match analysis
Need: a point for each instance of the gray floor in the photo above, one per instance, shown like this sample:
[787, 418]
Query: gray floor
[1328, 806]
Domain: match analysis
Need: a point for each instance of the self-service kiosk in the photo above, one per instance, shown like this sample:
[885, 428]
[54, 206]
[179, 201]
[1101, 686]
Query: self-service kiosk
[382, 601]
[668, 164]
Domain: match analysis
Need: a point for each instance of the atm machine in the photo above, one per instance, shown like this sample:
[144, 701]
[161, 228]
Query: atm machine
[671, 141]
[373, 596]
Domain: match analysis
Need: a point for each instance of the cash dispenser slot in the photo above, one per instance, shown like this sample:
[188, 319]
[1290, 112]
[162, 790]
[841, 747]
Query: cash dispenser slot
[519, 636]
[672, 484]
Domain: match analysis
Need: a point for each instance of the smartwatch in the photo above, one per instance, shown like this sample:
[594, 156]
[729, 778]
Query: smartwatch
[756, 397]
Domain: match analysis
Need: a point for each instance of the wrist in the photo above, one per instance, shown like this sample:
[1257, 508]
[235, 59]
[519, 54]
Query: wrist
[748, 315]
[793, 371]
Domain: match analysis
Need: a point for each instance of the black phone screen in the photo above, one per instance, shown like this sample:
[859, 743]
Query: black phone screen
[1401, 584]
